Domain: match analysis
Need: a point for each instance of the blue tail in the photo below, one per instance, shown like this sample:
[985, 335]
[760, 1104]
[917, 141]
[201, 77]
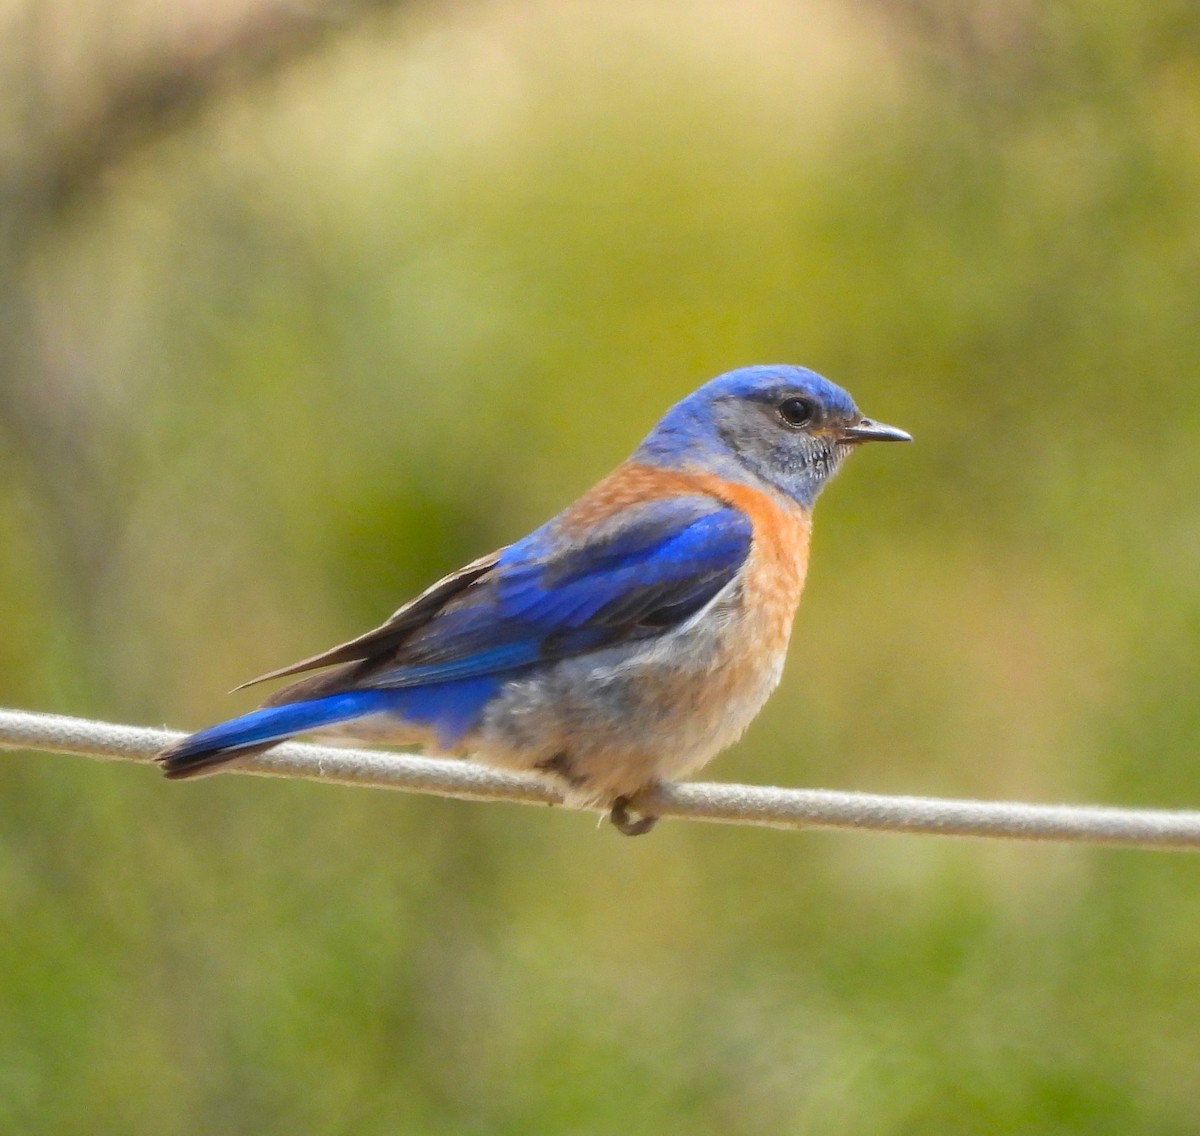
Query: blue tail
[261, 729]
[452, 709]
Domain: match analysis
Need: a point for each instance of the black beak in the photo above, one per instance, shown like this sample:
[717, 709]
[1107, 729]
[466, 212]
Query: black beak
[864, 430]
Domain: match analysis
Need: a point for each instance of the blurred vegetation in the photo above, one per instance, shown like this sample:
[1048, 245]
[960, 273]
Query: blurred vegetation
[295, 317]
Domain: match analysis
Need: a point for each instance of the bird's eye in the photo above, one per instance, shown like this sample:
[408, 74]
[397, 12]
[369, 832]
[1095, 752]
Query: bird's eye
[797, 412]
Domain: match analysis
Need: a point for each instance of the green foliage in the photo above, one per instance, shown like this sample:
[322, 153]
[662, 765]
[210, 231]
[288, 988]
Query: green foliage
[351, 330]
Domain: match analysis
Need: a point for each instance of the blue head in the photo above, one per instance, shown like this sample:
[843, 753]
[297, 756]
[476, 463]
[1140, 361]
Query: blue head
[782, 425]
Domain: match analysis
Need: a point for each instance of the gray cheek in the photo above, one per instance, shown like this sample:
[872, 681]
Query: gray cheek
[760, 445]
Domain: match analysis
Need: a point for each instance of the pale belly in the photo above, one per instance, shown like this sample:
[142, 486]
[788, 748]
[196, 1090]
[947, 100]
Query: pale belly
[614, 722]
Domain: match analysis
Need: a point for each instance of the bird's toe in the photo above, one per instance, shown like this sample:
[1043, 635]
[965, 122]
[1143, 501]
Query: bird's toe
[624, 823]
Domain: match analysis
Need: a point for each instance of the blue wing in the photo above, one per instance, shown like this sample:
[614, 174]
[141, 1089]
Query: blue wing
[633, 577]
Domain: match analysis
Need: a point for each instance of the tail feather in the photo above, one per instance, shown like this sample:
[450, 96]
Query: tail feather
[208, 750]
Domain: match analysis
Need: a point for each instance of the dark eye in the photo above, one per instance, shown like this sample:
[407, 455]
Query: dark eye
[797, 412]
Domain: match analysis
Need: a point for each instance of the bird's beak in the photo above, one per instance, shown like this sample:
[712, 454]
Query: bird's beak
[864, 430]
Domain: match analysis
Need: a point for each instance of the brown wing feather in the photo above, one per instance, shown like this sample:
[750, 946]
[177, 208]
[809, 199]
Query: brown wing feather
[387, 636]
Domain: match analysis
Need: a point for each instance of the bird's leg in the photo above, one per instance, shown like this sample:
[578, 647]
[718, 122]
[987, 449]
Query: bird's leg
[559, 764]
[624, 823]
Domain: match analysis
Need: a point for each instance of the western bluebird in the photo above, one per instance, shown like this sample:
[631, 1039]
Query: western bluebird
[624, 643]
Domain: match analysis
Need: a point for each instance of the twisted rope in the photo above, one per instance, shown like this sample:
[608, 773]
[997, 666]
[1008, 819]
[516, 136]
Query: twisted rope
[723, 803]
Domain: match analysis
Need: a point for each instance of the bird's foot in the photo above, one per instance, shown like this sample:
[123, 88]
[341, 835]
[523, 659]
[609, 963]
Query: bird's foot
[624, 823]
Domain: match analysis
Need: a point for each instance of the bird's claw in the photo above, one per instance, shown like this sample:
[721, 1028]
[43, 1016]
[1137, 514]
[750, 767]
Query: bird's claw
[624, 823]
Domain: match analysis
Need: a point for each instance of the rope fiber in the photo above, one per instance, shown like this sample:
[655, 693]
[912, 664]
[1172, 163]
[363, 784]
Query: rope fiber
[722, 803]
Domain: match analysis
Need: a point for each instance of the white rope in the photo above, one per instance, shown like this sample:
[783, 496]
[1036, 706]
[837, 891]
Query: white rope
[730, 804]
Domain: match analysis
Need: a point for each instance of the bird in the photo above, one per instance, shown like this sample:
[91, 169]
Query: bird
[621, 645]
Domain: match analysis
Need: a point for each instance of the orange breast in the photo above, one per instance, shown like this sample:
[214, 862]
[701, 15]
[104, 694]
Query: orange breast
[773, 578]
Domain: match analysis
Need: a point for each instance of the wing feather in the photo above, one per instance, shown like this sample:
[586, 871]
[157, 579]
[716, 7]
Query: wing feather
[646, 570]
[388, 634]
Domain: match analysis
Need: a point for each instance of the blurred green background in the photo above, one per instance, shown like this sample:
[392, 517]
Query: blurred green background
[301, 307]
